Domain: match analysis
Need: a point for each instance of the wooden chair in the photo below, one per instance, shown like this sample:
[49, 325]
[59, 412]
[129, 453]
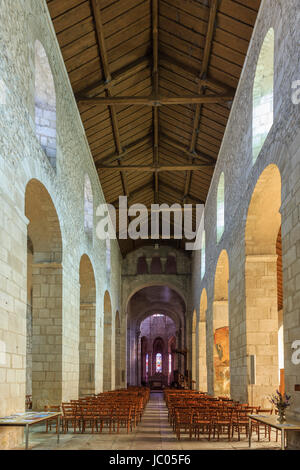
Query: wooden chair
[240, 423]
[70, 416]
[50, 422]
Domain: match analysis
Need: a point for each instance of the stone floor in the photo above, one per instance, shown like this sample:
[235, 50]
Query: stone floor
[153, 433]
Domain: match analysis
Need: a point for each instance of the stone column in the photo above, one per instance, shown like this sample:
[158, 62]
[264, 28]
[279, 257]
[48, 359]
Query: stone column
[138, 358]
[47, 334]
[202, 367]
[163, 261]
[87, 348]
[262, 327]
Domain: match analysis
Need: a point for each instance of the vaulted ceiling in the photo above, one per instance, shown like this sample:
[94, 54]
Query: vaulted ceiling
[154, 81]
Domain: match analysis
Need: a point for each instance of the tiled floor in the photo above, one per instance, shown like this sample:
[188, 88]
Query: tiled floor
[153, 433]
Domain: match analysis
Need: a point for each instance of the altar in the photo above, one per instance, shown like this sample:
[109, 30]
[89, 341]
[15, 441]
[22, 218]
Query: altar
[158, 381]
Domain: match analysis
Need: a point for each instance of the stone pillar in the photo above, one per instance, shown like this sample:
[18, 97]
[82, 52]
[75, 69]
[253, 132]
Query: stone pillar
[202, 367]
[46, 334]
[138, 357]
[262, 327]
[87, 349]
[148, 261]
[163, 261]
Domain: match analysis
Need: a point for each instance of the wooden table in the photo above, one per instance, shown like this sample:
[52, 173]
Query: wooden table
[272, 421]
[29, 419]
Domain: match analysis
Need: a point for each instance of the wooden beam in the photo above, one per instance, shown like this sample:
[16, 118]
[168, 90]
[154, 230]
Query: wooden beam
[105, 65]
[153, 169]
[155, 90]
[196, 154]
[126, 150]
[202, 90]
[155, 100]
[117, 77]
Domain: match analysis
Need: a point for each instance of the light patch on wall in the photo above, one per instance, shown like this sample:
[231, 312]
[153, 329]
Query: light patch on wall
[2, 353]
[263, 88]
[2, 92]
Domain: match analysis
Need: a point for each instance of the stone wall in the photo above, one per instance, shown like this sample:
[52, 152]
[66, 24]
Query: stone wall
[280, 149]
[22, 160]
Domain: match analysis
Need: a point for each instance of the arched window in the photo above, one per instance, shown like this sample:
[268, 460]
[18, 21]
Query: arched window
[45, 104]
[203, 255]
[147, 364]
[170, 363]
[263, 88]
[220, 208]
[88, 206]
[158, 363]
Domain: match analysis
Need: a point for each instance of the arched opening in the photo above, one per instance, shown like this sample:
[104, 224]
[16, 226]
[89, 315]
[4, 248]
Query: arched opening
[263, 275]
[142, 267]
[171, 265]
[194, 348]
[263, 88]
[107, 356]
[88, 206]
[45, 104]
[87, 331]
[203, 255]
[202, 384]
[154, 312]
[117, 351]
[44, 298]
[220, 207]
[156, 267]
[221, 358]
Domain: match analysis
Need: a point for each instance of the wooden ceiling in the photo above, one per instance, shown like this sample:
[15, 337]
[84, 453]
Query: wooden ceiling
[154, 81]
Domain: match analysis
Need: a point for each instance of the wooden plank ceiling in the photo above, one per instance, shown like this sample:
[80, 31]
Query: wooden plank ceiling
[154, 81]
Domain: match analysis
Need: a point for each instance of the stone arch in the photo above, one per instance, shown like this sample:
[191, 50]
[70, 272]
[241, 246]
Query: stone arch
[202, 371]
[88, 206]
[87, 331]
[117, 351]
[194, 345]
[261, 276]
[44, 281]
[45, 104]
[107, 344]
[220, 207]
[221, 359]
[263, 91]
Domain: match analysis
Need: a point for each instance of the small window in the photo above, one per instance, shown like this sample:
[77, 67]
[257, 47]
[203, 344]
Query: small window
[263, 89]
[170, 363]
[45, 104]
[147, 364]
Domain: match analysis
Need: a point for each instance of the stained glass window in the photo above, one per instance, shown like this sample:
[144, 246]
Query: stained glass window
[158, 363]
[170, 363]
[147, 363]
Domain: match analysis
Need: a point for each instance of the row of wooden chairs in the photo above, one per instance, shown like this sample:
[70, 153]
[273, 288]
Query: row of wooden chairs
[112, 410]
[196, 414]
